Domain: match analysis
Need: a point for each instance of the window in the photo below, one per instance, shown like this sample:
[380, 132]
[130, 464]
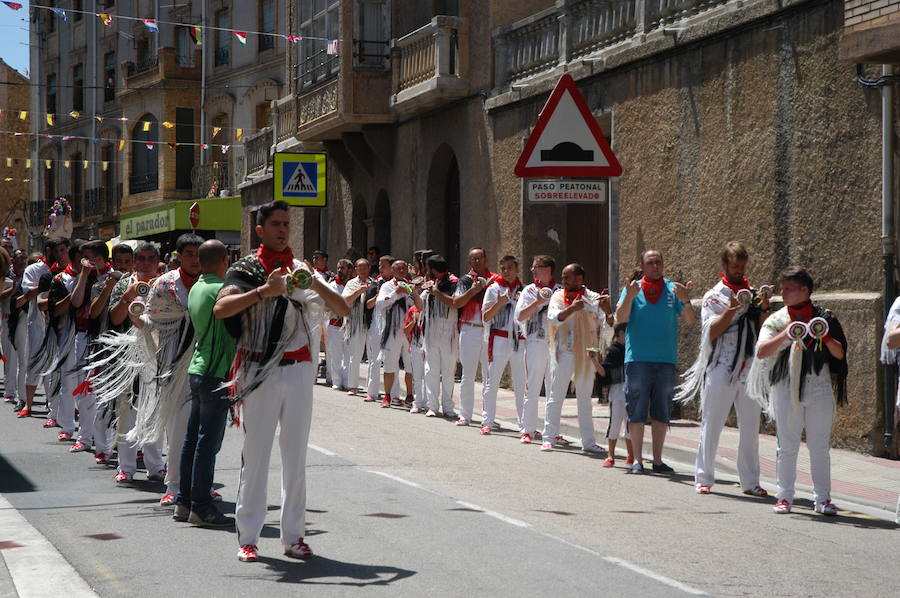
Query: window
[76, 194]
[185, 57]
[109, 77]
[263, 115]
[184, 154]
[144, 160]
[371, 38]
[78, 87]
[320, 21]
[51, 94]
[50, 17]
[266, 24]
[223, 38]
[449, 8]
[109, 180]
[76, 10]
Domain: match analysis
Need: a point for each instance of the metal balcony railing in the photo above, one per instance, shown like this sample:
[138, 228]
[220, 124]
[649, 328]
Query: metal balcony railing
[215, 175]
[143, 65]
[142, 183]
[256, 151]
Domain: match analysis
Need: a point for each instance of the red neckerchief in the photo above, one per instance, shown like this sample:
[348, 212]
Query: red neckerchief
[106, 268]
[187, 279]
[653, 289]
[488, 275]
[272, 260]
[509, 285]
[541, 285]
[48, 264]
[735, 287]
[571, 296]
[70, 270]
[55, 268]
[338, 280]
[802, 312]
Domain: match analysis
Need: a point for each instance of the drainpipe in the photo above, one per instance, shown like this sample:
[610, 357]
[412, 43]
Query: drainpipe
[888, 241]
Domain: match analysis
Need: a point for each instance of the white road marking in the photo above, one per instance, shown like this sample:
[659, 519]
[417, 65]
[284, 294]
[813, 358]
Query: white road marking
[37, 569]
[672, 583]
[325, 452]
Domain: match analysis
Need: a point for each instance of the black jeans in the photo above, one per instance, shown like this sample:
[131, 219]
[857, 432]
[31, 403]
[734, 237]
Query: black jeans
[206, 428]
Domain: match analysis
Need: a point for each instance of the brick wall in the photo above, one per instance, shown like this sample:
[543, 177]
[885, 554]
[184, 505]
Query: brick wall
[861, 14]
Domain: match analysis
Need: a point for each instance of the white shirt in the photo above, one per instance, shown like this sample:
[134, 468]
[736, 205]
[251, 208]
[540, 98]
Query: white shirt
[535, 327]
[388, 295]
[565, 333]
[717, 301]
[30, 279]
[504, 318]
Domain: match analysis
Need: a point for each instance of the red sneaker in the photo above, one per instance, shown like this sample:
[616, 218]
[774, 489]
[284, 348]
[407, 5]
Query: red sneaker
[123, 477]
[629, 461]
[168, 500]
[216, 497]
[486, 431]
[369, 399]
[609, 462]
[525, 439]
[703, 489]
[386, 401]
[64, 436]
[79, 447]
[560, 441]
[50, 423]
[248, 553]
[299, 550]
[101, 458]
[782, 507]
[757, 491]
[24, 413]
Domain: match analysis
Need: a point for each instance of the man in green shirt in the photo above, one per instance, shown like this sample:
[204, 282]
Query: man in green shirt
[213, 353]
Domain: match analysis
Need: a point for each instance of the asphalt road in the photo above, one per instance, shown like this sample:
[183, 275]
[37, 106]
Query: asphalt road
[411, 506]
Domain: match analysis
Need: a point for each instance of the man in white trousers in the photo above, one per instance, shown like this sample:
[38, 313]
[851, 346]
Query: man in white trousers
[373, 339]
[12, 318]
[277, 329]
[531, 314]
[576, 314]
[505, 342]
[729, 329]
[799, 382]
[338, 358]
[54, 250]
[468, 298]
[356, 329]
[440, 337]
[395, 297]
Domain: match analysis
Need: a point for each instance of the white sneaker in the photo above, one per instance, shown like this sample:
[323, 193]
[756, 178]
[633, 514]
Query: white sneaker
[594, 448]
[431, 413]
[547, 446]
[415, 409]
[826, 508]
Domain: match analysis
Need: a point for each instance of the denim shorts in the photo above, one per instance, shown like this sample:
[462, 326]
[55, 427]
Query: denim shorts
[649, 388]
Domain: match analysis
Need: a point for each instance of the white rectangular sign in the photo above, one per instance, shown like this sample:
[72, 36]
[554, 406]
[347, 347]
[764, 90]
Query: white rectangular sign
[565, 191]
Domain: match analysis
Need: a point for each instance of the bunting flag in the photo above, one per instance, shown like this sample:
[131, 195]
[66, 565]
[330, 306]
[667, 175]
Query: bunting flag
[195, 34]
[105, 165]
[23, 114]
[62, 14]
[98, 118]
[8, 179]
[225, 149]
[149, 145]
[151, 25]
[204, 146]
[173, 144]
[167, 124]
[105, 18]
[292, 38]
[50, 120]
[27, 162]
[75, 114]
[9, 162]
[68, 137]
[216, 130]
[239, 134]
[26, 180]
[333, 47]
[85, 165]
[12, 5]
[66, 163]
[47, 164]
[146, 125]
[241, 37]
[121, 144]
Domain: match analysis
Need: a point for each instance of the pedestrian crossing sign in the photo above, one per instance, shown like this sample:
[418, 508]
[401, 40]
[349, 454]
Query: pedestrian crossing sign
[299, 179]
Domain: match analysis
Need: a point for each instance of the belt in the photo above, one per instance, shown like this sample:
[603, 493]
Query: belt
[300, 355]
[472, 324]
[494, 333]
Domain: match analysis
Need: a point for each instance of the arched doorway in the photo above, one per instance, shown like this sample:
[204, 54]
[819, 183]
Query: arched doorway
[443, 208]
[381, 222]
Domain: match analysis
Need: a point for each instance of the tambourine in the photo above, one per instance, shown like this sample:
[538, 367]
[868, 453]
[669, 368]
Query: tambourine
[796, 331]
[545, 292]
[298, 279]
[142, 288]
[818, 329]
[137, 307]
[744, 296]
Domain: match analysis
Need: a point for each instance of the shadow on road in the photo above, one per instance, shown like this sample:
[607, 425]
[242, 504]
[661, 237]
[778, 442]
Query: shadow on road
[324, 571]
[12, 480]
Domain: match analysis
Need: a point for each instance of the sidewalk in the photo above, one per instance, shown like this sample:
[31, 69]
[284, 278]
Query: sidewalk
[861, 479]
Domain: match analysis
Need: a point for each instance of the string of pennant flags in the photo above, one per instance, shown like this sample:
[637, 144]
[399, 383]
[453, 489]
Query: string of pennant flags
[120, 143]
[52, 119]
[333, 46]
[11, 162]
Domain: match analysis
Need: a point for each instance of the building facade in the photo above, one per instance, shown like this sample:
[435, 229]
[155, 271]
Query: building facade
[733, 120]
[15, 159]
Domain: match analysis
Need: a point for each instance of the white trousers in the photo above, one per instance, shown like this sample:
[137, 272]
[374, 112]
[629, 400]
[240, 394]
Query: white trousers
[11, 365]
[338, 356]
[176, 430]
[69, 381]
[472, 351]
[285, 400]
[373, 351]
[440, 369]
[537, 360]
[36, 331]
[502, 354]
[815, 413]
[717, 397]
[355, 349]
[416, 357]
[559, 384]
[21, 358]
[618, 413]
[72, 378]
[128, 452]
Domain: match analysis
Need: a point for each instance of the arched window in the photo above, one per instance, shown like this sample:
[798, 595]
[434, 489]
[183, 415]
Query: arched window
[144, 155]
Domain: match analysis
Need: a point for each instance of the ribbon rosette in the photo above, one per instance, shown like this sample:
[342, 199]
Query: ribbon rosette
[744, 296]
[818, 329]
[796, 331]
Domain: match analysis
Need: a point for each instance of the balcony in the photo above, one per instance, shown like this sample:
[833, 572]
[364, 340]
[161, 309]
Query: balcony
[429, 66]
[284, 115]
[215, 176]
[167, 64]
[94, 203]
[256, 152]
[144, 65]
[575, 29]
[142, 183]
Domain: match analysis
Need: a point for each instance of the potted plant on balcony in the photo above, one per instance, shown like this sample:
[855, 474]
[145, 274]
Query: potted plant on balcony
[59, 222]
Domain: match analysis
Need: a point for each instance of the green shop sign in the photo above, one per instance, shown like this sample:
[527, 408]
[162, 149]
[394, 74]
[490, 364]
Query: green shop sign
[215, 214]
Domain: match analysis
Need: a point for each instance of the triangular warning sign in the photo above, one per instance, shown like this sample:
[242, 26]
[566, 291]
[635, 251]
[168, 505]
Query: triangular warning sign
[566, 140]
[299, 182]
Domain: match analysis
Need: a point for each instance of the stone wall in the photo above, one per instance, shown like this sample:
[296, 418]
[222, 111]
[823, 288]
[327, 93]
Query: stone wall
[860, 14]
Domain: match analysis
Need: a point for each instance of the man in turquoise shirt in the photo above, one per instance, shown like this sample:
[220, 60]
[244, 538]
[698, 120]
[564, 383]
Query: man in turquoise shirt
[213, 353]
[651, 306]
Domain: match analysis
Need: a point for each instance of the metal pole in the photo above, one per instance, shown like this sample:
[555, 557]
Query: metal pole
[95, 111]
[203, 44]
[888, 243]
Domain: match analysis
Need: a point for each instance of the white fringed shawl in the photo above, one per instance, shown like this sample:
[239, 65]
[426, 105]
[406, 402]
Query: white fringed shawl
[585, 325]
